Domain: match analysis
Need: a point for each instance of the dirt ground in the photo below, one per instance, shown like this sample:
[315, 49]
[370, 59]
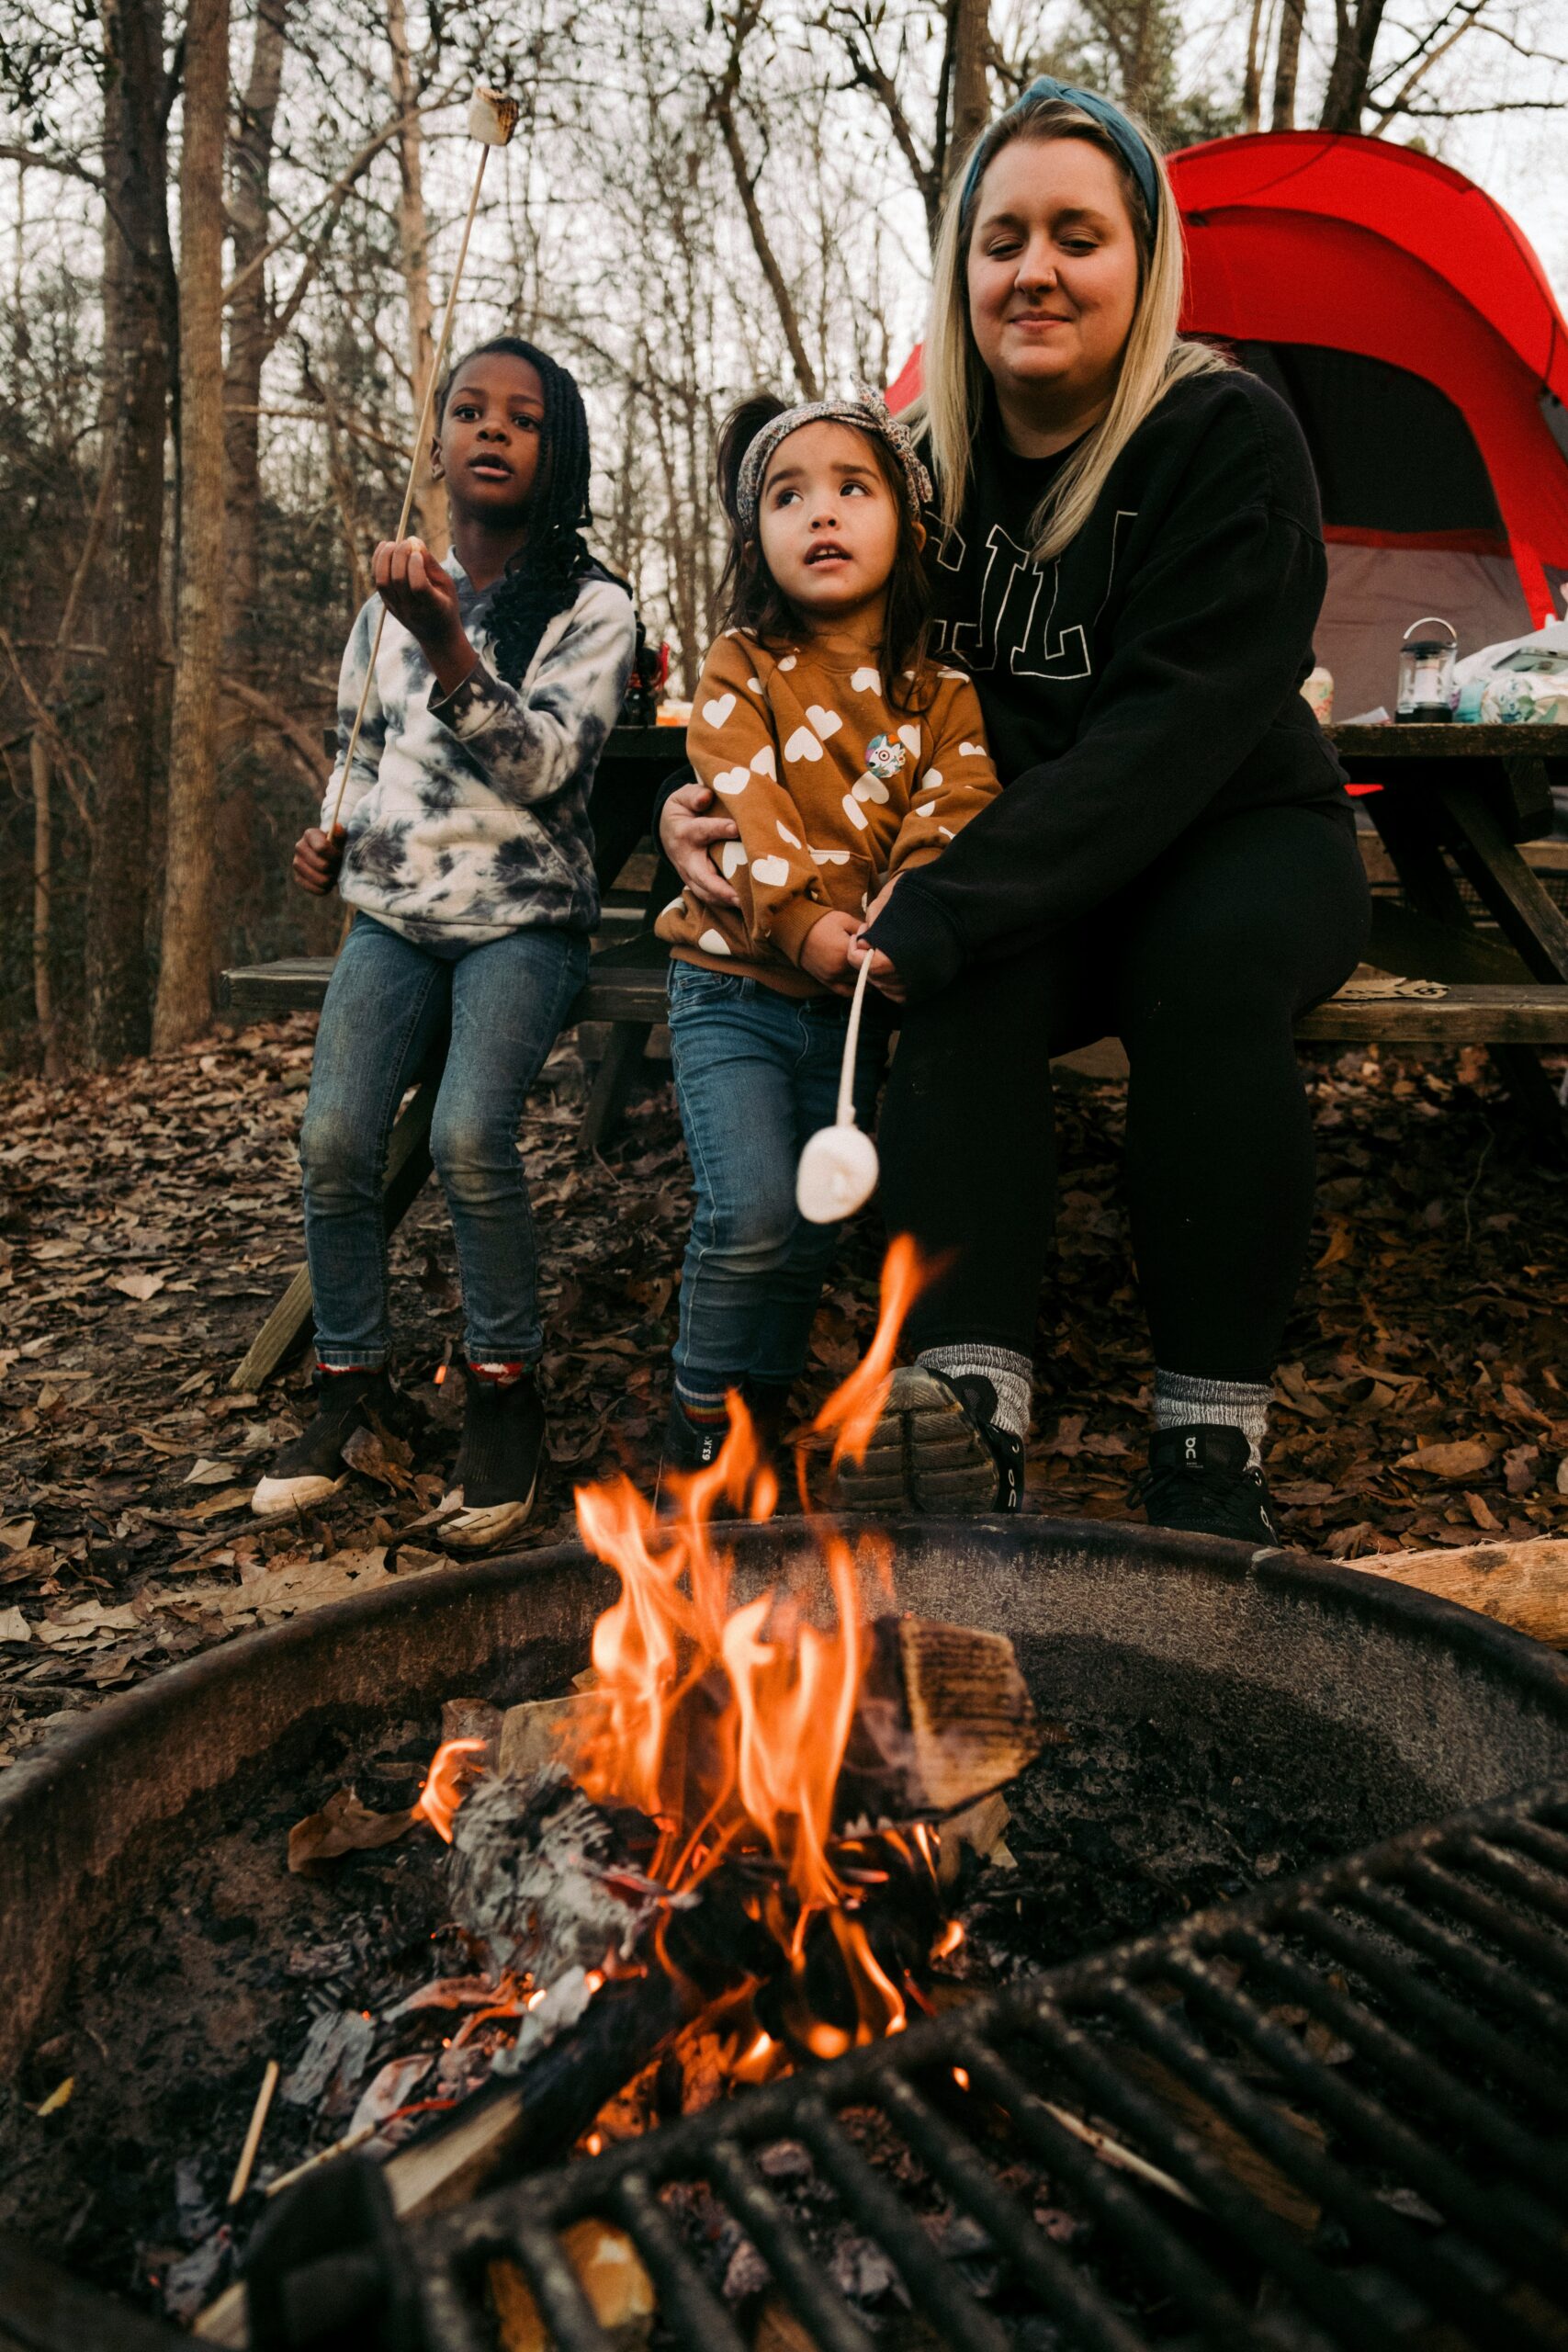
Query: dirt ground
[148, 1221]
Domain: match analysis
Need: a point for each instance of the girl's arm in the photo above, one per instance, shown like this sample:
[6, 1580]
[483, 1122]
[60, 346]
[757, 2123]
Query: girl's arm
[954, 782]
[531, 745]
[734, 750]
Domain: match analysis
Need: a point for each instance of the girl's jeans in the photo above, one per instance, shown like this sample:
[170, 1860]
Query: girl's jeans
[390, 1009]
[756, 1073]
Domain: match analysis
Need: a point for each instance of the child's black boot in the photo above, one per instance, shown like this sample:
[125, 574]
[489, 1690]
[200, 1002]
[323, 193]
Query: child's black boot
[497, 1470]
[312, 1466]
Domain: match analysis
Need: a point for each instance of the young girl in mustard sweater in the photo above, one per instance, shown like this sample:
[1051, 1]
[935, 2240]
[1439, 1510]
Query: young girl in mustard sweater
[845, 757]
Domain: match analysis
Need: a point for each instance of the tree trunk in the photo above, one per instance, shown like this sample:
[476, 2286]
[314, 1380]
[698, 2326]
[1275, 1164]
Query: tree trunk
[1286, 60]
[414, 246]
[136, 370]
[250, 331]
[1356, 29]
[43, 900]
[971, 87]
[185, 978]
[1252, 80]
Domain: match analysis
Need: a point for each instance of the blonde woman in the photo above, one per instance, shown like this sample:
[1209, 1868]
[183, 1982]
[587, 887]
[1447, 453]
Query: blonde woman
[1128, 559]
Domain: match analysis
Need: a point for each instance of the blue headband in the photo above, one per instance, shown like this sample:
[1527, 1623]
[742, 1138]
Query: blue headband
[1112, 120]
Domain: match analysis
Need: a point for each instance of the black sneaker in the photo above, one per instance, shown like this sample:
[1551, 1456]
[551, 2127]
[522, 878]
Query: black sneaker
[497, 1470]
[937, 1450]
[1199, 1479]
[313, 1467]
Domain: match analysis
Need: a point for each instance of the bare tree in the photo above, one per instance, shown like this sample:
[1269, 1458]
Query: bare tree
[184, 976]
[252, 328]
[137, 344]
[723, 98]
[1287, 58]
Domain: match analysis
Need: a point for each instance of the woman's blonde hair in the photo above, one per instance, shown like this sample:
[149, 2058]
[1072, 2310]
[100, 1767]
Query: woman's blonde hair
[952, 406]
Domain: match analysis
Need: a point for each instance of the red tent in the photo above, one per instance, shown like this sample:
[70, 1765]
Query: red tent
[1405, 319]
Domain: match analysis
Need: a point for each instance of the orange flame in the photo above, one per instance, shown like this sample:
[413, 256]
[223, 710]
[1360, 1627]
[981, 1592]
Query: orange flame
[853, 1408]
[452, 1765]
[727, 1726]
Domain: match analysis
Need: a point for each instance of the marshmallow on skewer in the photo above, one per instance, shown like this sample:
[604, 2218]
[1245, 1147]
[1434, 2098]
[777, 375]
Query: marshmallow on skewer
[493, 119]
[837, 1174]
[837, 1169]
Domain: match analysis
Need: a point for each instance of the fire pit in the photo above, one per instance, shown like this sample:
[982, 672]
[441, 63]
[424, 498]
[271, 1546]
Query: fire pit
[1235, 1719]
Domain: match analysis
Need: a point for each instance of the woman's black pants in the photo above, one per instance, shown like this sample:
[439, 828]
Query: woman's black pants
[1200, 968]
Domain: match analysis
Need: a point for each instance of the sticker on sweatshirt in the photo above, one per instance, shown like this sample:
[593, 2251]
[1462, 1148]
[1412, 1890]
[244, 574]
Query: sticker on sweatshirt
[883, 757]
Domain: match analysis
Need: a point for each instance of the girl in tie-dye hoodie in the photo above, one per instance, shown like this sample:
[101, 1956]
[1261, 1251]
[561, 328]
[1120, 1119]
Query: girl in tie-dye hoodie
[466, 851]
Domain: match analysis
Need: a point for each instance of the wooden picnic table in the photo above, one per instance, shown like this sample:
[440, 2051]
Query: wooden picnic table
[1471, 794]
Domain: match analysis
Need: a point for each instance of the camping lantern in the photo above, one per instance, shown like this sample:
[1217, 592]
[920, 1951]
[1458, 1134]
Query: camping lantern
[1427, 673]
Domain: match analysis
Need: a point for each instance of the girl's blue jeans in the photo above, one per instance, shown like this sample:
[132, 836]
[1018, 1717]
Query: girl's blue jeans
[755, 1073]
[390, 1007]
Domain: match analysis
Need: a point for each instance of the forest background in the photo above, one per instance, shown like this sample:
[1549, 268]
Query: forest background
[225, 238]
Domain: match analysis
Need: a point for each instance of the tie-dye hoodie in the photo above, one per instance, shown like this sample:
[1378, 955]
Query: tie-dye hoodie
[467, 813]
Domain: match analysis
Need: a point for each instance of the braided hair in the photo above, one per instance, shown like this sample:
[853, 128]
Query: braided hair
[542, 579]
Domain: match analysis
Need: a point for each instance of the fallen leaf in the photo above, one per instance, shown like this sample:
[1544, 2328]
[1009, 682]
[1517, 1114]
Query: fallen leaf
[16, 1534]
[343, 1825]
[1341, 1244]
[14, 1627]
[60, 2096]
[381, 1458]
[137, 1286]
[207, 1474]
[1460, 1459]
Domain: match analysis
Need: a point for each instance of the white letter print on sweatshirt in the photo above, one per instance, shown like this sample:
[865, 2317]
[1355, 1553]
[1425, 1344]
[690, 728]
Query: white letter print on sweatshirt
[1015, 621]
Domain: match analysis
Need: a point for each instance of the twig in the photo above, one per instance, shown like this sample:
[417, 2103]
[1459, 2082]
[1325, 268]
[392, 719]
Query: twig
[1119, 2158]
[242, 2179]
[343, 2147]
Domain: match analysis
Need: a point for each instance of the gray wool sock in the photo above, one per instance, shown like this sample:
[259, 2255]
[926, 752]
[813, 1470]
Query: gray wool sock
[1012, 1376]
[1181, 1402]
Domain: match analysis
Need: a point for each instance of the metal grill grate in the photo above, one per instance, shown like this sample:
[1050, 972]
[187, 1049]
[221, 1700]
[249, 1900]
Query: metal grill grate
[1338, 2116]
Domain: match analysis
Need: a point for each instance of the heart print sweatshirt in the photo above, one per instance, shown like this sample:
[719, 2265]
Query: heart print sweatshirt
[833, 788]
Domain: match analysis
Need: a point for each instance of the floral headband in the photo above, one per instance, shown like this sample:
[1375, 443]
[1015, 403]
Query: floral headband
[868, 412]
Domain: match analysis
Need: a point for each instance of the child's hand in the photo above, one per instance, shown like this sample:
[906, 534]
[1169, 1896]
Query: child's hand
[316, 861]
[420, 592]
[826, 952]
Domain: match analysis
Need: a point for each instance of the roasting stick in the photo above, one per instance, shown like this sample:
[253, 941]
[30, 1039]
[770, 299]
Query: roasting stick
[242, 2179]
[491, 120]
[838, 1168]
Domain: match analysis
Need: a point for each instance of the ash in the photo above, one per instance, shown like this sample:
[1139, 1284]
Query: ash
[536, 1872]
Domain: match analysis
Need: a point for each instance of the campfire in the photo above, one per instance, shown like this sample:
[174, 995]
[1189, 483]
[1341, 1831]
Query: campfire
[732, 1832]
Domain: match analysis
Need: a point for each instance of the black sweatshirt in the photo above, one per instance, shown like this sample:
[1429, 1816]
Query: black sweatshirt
[1142, 681]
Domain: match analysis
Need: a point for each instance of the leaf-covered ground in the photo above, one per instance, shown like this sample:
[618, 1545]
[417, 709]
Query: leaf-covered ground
[147, 1221]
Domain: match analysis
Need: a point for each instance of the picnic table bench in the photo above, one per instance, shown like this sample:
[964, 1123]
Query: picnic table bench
[1466, 794]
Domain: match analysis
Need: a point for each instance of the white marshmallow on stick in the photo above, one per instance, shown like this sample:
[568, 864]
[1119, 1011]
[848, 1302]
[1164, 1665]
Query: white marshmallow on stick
[491, 121]
[839, 1168]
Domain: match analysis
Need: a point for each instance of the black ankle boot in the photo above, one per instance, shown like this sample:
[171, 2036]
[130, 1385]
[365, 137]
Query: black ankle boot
[497, 1470]
[767, 1401]
[1199, 1479]
[690, 1445]
[311, 1467]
